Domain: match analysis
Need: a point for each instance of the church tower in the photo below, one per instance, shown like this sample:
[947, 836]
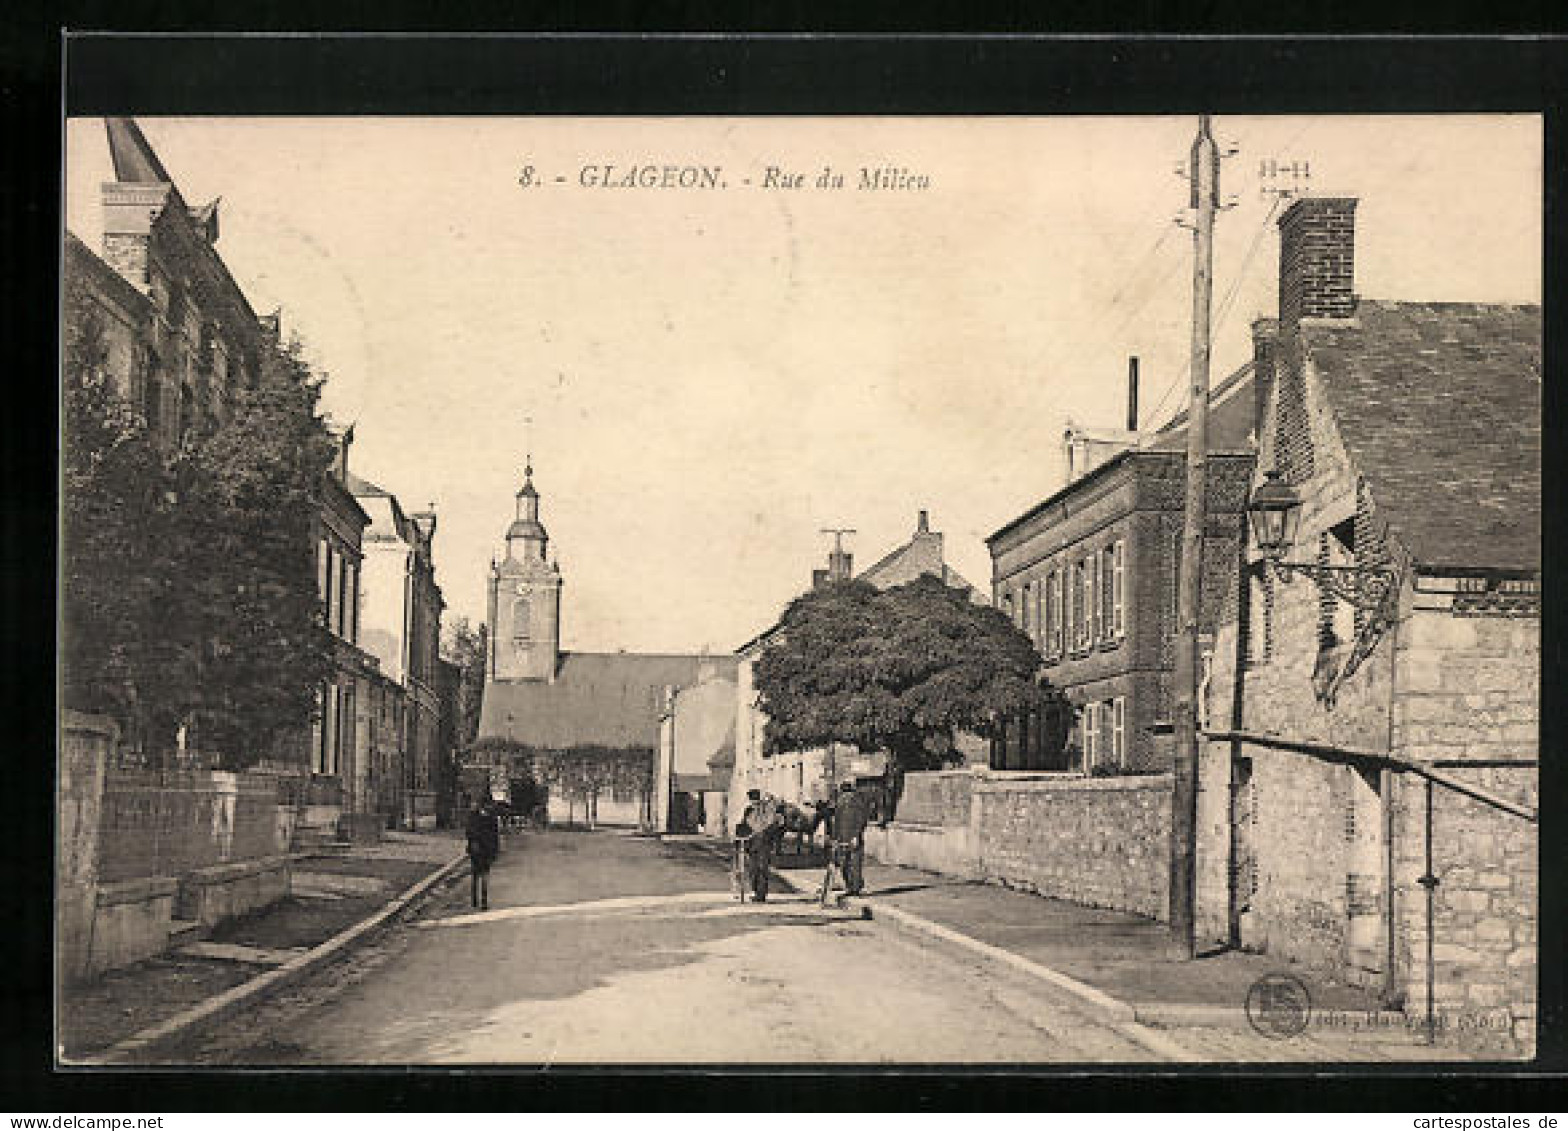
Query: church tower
[525, 597]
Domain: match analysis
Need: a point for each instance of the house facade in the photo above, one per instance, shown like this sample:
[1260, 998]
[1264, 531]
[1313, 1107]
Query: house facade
[1410, 433]
[1091, 574]
[400, 611]
[804, 776]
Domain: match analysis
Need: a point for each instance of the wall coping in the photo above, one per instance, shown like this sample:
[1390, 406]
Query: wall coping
[92, 724]
[236, 870]
[136, 891]
[1130, 782]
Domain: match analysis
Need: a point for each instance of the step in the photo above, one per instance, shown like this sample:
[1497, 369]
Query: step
[184, 931]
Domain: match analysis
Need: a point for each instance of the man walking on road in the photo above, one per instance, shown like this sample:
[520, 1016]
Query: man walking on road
[484, 845]
[847, 843]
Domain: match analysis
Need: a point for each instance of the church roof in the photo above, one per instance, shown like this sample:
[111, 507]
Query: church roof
[526, 528]
[605, 699]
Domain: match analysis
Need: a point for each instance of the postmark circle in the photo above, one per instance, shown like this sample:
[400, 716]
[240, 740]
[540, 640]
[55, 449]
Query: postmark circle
[1279, 1005]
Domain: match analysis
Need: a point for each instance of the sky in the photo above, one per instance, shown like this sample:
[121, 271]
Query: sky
[715, 375]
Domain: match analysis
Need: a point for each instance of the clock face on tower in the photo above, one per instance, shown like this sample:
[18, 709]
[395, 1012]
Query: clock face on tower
[522, 588]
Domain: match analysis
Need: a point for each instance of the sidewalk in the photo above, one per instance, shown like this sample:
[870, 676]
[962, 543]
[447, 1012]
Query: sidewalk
[1201, 1003]
[328, 895]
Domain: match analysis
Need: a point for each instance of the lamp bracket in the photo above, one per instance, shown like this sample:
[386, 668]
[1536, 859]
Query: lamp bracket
[1362, 587]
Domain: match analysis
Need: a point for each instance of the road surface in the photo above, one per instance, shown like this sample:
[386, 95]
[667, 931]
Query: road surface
[607, 948]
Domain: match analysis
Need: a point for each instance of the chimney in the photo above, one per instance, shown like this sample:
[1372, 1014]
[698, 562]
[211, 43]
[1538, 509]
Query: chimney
[1265, 339]
[1317, 257]
[923, 523]
[1132, 394]
[840, 565]
[132, 201]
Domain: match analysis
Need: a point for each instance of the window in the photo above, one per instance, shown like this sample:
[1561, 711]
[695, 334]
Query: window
[1119, 731]
[345, 741]
[1025, 617]
[1058, 591]
[352, 616]
[327, 749]
[1079, 623]
[1097, 606]
[1117, 555]
[1050, 643]
[321, 569]
[334, 588]
[343, 591]
[1091, 736]
[1007, 605]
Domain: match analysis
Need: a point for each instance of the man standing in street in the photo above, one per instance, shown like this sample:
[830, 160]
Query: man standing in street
[484, 845]
[765, 823]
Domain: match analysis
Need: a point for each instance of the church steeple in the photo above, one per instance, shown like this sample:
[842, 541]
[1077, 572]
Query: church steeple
[526, 538]
[525, 596]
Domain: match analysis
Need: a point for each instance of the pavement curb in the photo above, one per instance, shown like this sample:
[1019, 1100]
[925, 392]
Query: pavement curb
[1117, 1014]
[217, 1008]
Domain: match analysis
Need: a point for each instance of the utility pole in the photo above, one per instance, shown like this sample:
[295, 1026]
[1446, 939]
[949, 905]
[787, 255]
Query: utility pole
[1204, 172]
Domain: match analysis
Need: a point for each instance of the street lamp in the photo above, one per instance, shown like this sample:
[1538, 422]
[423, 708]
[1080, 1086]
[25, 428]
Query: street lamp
[1274, 513]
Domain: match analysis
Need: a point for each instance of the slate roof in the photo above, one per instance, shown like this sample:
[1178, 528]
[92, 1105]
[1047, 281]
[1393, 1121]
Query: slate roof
[608, 699]
[1439, 405]
[1231, 410]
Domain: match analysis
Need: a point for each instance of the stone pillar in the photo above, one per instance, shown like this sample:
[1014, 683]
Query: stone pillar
[86, 743]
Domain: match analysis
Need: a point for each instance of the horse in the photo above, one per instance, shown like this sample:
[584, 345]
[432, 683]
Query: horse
[804, 823]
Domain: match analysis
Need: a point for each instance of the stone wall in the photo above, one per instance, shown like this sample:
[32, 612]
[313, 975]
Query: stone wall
[163, 823]
[936, 798]
[85, 745]
[1469, 689]
[1103, 842]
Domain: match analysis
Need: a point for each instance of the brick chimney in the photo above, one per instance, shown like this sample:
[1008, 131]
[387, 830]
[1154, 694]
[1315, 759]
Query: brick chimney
[1317, 259]
[132, 201]
[1265, 342]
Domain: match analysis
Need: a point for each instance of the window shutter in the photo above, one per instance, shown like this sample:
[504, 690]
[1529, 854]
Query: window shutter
[1119, 729]
[1118, 588]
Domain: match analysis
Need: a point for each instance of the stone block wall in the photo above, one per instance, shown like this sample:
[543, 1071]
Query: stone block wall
[1103, 842]
[1469, 690]
[85, 745]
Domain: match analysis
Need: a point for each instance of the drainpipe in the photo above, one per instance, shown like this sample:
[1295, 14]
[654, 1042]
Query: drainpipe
[1386, 793]
[1429, 881]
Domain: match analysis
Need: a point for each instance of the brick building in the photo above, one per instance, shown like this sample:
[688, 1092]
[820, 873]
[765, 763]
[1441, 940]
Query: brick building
[1410, 431]
[803, 776]
[180, 332]
[1091, 575]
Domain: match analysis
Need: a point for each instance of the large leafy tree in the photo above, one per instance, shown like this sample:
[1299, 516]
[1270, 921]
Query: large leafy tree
[250, 494]
[903, 670]
[122, 650]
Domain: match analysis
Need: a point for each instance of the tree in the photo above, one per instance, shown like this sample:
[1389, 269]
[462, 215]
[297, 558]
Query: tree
[465, 646]
[121, 649]
[250, 495]
[903, 670]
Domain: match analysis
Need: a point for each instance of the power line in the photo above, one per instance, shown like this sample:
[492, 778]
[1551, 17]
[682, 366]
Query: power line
[1225, 303]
